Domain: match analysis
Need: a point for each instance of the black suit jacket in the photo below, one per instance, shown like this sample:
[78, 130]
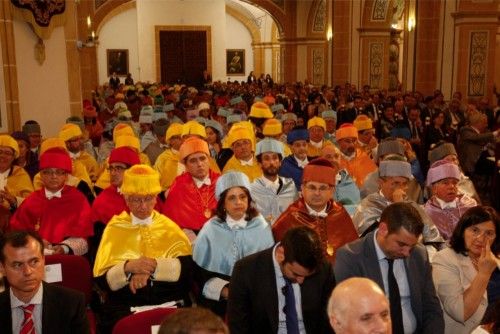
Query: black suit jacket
[359, 259]
[253, 297]
[63, 311]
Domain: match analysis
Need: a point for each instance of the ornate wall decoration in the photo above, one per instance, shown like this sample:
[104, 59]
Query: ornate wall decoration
[318, 65]
[320, 17]
[43, 16]
[379, 10]
[376, 64]
[478, 61]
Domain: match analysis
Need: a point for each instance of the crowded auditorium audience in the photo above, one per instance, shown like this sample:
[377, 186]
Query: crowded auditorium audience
[204, 196]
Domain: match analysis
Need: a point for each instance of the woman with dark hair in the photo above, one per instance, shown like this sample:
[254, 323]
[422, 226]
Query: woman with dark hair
[437, 130]
[26, 159]
[467, 275]
[237, 230]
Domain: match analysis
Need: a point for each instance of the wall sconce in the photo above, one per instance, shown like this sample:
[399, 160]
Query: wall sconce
[329, 34]
[411, 23]
[92, 39]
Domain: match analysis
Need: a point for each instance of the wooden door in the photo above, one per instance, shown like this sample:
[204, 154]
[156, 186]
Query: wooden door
[183, 56]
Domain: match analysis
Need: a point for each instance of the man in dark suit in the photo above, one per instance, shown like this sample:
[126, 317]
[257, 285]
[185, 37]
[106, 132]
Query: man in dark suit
[30, 305]
[284, 289]
[415, 307]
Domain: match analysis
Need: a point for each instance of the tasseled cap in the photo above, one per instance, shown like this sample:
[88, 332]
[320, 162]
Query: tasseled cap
[54, 142]
[122, 129]
[319, 170]
[56, 158]
[8, 141]
[363, 122]
[125, 155]
[442, 169]
[70, 131]
[316, 121]
[174, 129]
[127, 141]
[346, 130]
[260, 110]
[193, 145]
[141, 180]
[230, 180]
[193, 128]
[272, 127]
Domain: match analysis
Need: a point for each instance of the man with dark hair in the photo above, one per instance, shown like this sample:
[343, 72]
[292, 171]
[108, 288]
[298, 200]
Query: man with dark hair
[316, 209]
[30, 305]
[392, 257]
[271, 193]
[284, 289]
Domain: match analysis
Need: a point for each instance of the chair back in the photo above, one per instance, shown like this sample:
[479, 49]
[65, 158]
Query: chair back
[76, 273]
[141, 323]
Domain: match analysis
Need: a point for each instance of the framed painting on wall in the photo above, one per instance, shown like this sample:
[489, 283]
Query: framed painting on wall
[117, 61]
[235, 62]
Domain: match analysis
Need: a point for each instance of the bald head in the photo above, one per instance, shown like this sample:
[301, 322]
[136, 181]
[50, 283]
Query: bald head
[358, 306]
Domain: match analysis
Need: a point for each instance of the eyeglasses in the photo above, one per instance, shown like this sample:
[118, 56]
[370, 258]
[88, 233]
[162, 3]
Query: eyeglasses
[53, 172]
[477, 232]
[141, 200]
[116, 168]
[313, 188]
[8, 153]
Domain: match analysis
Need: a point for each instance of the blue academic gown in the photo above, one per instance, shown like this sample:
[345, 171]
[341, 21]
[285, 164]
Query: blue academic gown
[218, 247]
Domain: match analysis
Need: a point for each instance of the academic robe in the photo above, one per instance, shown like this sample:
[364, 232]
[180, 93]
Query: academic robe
[18, 183]
[78, 171]
[188, 205]
[270, 203]
[291, 169]
[55, 219]
[218, 247]
[314, 152]
[371, 207]
[359, 166]
[335, 230]
[252, 172]
[90, 164]
[346, 192]
[122, 241]
[169, 166]
[446, 219]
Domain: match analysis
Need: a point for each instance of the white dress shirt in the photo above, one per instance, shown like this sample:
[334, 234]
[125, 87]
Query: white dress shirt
[18, 313]
[409, 321]
[280, 283]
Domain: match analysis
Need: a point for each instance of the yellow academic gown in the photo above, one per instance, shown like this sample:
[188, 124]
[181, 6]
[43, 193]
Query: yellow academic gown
[313, 151]
[104, 179]
[90, 164]
[169, 167]
[18, 184]
[123, 241]
[252, 172]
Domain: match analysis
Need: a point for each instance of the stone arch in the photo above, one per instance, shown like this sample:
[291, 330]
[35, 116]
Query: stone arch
[112, 13]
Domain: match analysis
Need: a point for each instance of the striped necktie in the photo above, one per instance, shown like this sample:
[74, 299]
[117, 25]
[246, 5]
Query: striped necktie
[28, 325]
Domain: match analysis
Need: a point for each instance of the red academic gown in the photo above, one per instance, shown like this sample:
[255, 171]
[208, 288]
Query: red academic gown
[55, 219]
[110, 203]
[187, 205]
[335, 230]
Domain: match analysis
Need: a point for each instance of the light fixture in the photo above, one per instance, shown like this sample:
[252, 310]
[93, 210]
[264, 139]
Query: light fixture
[411, 23]
[92, 39]
[329, 34]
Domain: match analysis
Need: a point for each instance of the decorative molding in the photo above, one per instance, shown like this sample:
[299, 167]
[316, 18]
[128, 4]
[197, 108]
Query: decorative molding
[379, 10]
[376, 52]
[319, 24]
[318, 65]
[478, 62]
[99, 3]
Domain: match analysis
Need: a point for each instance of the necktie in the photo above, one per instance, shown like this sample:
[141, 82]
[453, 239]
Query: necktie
[292, 320]
[28, 325]
[394, 300]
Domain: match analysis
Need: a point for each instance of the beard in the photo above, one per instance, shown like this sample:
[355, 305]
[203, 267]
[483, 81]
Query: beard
[270, 171]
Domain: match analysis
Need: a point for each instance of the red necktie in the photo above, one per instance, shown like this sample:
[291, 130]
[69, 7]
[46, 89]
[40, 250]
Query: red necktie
[28, 325]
